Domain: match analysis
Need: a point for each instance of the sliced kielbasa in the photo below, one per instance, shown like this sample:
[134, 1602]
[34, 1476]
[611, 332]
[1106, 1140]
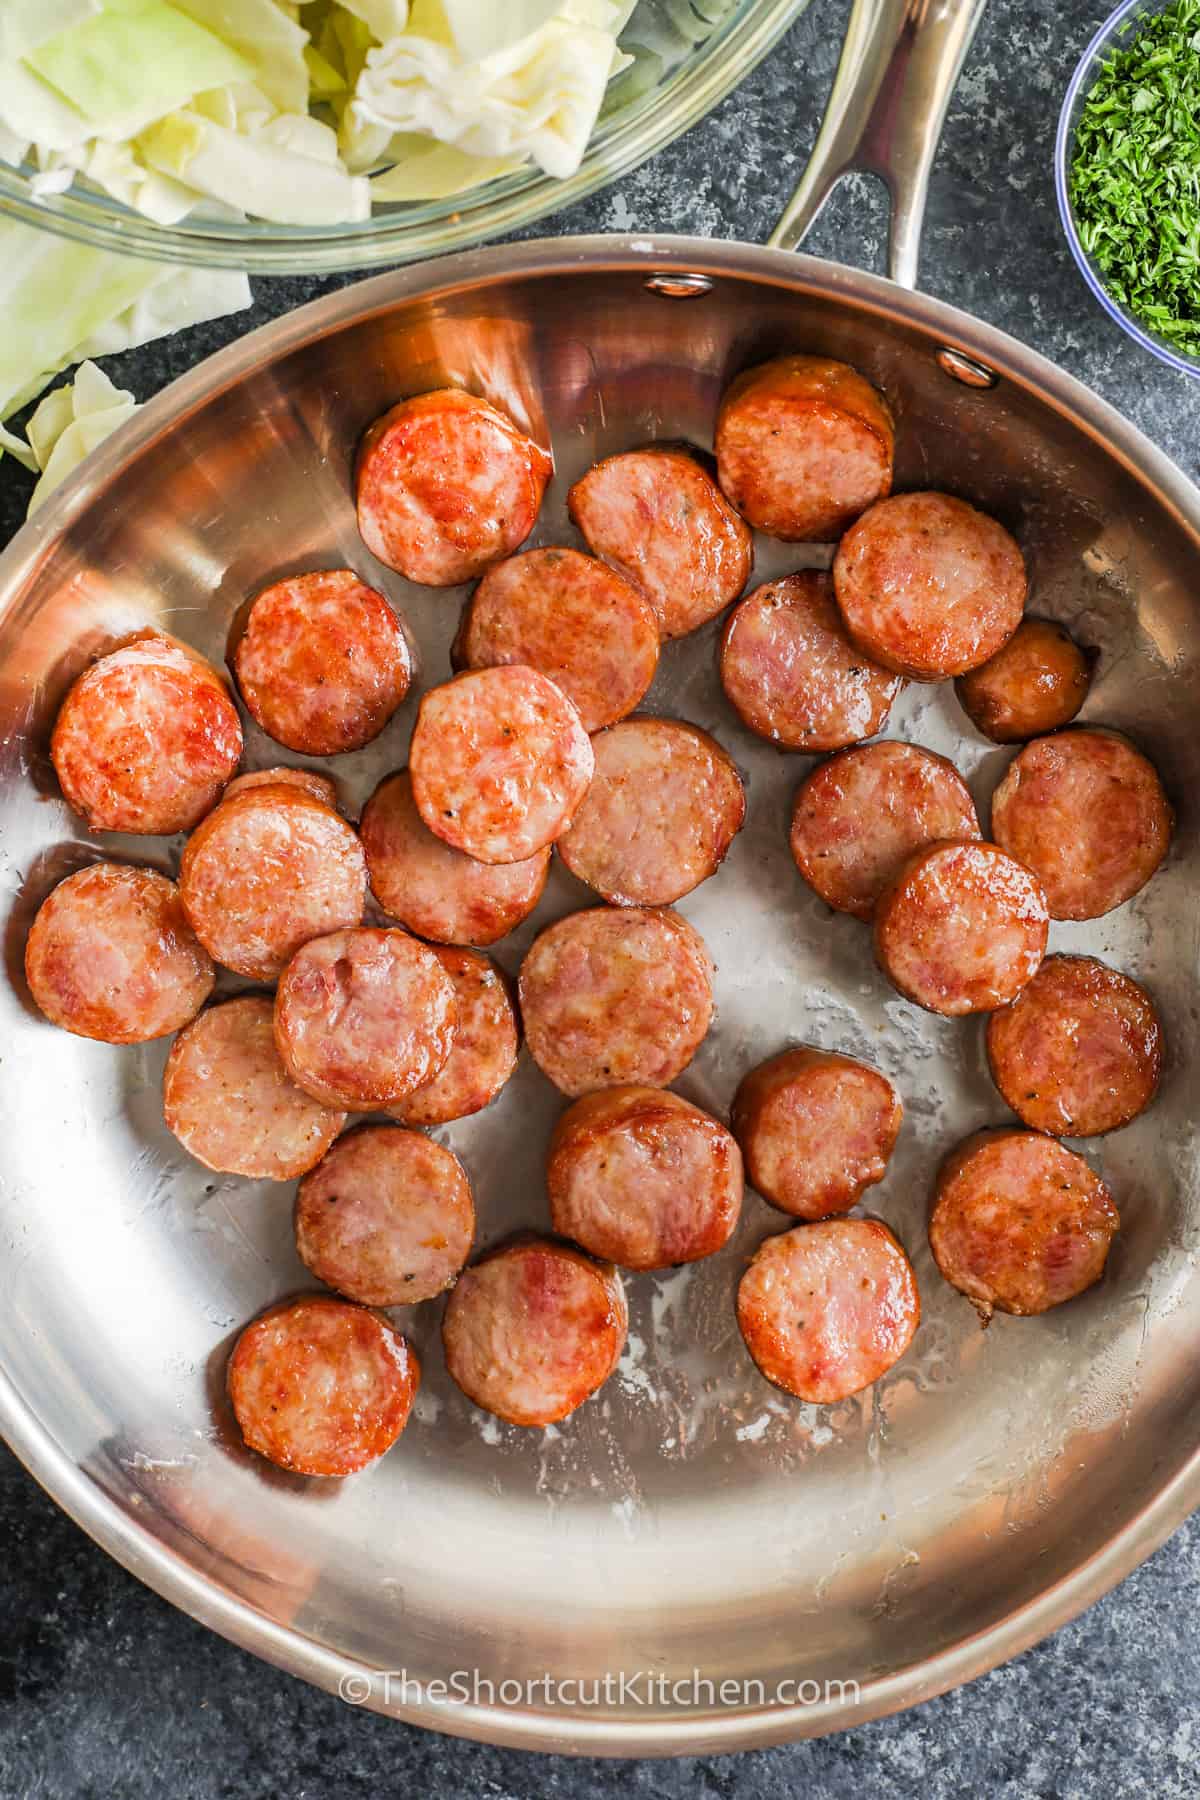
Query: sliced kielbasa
[1020, 1223]
[573, 619]
[792, 674]
[643, 1179]
[319, 786]
[660, 519]
[1079, 1052]
[146, 739]
[826, 1309]
[928, 586]
[386, 1217]
[322, 662]
[962, 928]
[533, 1329]
[861, 815]
[484, 1052]
[111, 956]
[266, 871]
[664, 806]
[321, 1387]
[611, 997]
[816, 1129]
[499, 763]
[1087, 813]
[439, 892]
[231, 1103]
[447, 484]
[1035, 683]
[364, 1017]
[804, 445]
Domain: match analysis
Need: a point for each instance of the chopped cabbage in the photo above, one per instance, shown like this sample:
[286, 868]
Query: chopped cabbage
[71, 422]
[281, 109]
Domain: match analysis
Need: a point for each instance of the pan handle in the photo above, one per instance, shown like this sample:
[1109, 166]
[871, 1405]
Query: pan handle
[898, 69]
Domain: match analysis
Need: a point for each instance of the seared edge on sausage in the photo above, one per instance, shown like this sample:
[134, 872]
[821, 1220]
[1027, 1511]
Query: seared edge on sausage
[816, 1129]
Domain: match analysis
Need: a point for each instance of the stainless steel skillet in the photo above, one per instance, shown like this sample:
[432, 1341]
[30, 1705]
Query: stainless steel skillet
[690, 1528]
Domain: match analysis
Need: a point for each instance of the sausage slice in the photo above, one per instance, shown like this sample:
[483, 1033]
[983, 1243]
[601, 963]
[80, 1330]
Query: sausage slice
[664, 806]
[962, 928]
[436, 891]
[146, 739]
[574, 620]
[447, 484]
[793, 675]
[364, 1017]
[928, 586]
[1035, 683]
[1087, 813]
[825, 1310]
[229, 1100]
[386, 1217]
[643, 1179]
[266, 871]
[861, 815]
[111, 956]
[499, 763]
[804, 445]
[322, 662]
[319, 786]
[484, 1052]
[321, 1387]
[533, 1329]
[661, 520]
[1020, 1223]
[816, 1129]
[1079, 1052]
[610, 998]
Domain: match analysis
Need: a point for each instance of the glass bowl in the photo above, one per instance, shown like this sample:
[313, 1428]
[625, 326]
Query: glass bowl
[1090, 63]
[701, 63]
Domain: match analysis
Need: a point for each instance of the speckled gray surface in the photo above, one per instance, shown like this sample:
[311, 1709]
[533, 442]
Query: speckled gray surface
[105, 1690]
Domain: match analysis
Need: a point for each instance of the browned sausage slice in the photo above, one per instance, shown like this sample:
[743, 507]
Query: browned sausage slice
[484, 1052]
[861, 815]
[322, 662]
[146, 739]
[230, 1102]
[499, 763]
[386, 1218]
[319, 786]
[265, 872]
[825, 1310]
[447, 484]
[1087, 813]
[574, 620]
[1079, 1052]
[364, 1017]
[436, 891]
[533, 1329]
[610, 998]
[1020, 1223]
[1035, 683]
[816, 1129]
[664, 806]
[111, 956]
[793, 675]
[659, 518]
[928, 586]
[643, 1179]
[962, 928]
[804, 445]
[321, 1387]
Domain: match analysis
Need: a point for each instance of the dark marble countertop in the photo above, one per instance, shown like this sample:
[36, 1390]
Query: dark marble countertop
[104, 1689]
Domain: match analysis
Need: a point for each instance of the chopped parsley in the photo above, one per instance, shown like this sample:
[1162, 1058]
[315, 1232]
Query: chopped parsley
[1135, 174]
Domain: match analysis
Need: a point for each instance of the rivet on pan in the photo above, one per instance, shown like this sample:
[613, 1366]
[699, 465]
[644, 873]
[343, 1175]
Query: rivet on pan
[678, 287]
[965, 369]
